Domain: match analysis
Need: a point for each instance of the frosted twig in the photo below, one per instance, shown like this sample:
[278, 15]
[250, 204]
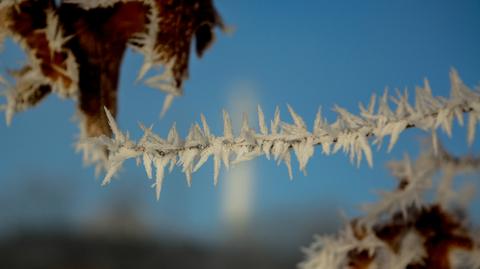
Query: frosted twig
[349, 133]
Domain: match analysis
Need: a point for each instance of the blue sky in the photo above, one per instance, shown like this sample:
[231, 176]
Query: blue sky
[306, 54]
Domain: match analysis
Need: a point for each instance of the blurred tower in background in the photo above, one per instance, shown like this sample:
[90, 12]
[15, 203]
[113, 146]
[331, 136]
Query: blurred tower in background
[238, 187]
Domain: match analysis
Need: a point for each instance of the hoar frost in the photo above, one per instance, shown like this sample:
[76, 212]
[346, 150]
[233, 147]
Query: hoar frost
[353, 134]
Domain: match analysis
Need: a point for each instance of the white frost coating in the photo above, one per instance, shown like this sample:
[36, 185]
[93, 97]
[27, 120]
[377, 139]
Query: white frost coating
[411, 250]
[89, 4]
[54, 32]
[418, 176]
[332, 251]
[326, 252]
[349, 133]
[26, 86]
[93, 153]
[56, 41]
[145, 42]
[31, 77]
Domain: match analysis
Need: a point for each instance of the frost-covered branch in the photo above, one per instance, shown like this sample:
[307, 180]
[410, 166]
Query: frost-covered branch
[404, 229]
[350, 133]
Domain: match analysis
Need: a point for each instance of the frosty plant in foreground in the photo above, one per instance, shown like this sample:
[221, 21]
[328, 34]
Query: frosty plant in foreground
[353, 134]
[404, 229]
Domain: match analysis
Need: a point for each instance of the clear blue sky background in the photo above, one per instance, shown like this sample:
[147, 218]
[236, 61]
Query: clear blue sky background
[304, 53]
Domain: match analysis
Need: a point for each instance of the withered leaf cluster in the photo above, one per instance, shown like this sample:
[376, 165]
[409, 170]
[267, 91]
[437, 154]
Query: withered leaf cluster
[77, 51]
